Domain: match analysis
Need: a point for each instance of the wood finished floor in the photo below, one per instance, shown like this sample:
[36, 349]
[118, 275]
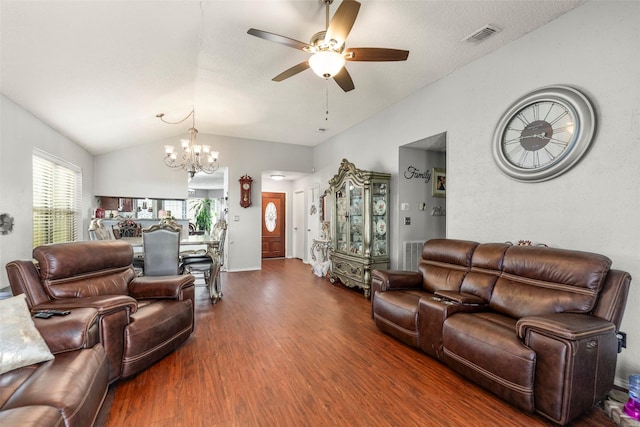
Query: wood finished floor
[286, 348]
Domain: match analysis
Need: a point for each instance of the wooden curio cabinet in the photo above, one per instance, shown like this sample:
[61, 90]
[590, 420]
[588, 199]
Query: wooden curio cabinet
[360, 225]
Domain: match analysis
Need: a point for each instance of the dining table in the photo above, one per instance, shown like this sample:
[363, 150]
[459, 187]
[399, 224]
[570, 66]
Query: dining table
[191, 240]
[205, 241]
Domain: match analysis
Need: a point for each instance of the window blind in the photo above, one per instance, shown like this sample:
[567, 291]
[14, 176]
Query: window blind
[57, 190]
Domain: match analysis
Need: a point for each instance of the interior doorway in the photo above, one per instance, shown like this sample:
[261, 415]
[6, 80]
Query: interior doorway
[298, 225]
[422, 215]
[273, 221]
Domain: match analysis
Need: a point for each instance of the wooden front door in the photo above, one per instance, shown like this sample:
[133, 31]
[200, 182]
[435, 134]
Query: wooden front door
[273, 211]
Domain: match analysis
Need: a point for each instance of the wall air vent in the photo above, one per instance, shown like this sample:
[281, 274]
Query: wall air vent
[412, 255]
[482, 34]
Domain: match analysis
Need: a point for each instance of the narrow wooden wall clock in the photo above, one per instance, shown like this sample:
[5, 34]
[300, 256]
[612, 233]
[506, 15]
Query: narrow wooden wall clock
[245, 191]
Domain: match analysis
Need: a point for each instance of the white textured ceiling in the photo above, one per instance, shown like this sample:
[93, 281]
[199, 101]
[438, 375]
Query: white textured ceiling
[100, 71]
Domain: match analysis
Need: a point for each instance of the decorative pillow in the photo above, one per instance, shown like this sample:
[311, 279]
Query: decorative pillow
[20, 342]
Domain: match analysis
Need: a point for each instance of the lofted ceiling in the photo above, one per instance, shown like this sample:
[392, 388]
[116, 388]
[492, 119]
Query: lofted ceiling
[99, 71]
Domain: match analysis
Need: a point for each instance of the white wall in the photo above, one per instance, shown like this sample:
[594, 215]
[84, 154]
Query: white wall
[139, 171]
[414, 189]
[593, 207]
[20, 133]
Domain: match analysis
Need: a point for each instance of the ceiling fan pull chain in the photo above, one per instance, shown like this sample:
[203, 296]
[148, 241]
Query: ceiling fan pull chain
[326, 117]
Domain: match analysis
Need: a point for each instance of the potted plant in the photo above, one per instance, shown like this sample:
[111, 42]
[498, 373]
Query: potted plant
[202, 209]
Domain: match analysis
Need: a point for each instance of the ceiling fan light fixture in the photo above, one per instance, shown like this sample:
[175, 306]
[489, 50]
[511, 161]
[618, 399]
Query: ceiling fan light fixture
[327, 47]
[326, 64]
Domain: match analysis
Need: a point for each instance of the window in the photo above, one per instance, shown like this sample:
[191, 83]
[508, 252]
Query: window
[57, 189]
[175, 208]
[216, 207]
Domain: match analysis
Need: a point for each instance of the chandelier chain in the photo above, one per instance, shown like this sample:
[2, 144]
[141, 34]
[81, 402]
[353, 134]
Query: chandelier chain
[191, 114]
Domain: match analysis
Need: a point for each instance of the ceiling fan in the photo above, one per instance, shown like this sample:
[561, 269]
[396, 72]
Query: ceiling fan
[328, 47]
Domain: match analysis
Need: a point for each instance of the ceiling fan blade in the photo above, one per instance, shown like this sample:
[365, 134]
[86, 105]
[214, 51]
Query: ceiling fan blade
[343, 78]
[342, 21]
[278, 39]
[291, 71]
[375, 54]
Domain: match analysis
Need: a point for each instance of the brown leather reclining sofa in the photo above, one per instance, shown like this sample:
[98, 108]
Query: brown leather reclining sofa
[141, 319]
[537, 326]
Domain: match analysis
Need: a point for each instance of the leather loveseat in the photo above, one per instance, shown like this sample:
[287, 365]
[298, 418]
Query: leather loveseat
[66, 391]
[537, 326]
[141, 319]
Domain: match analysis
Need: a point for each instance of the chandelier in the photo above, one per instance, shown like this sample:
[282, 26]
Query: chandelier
[195, 157]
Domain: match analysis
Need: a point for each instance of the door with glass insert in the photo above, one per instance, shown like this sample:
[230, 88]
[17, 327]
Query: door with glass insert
[273, 216]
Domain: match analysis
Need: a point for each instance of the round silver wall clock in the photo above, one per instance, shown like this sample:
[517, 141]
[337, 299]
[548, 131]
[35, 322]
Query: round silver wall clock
[543, 134]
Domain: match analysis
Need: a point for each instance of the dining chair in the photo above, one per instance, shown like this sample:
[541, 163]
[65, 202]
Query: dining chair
[127, 228]
[97, 230]
[210, 262]
[161, 248]
[93, 225]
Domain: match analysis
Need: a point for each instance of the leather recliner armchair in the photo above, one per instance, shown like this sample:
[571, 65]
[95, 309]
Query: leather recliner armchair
[141, 319]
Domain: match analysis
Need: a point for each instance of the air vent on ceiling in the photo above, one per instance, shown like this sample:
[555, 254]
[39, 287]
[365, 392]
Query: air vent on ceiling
[482, 34]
